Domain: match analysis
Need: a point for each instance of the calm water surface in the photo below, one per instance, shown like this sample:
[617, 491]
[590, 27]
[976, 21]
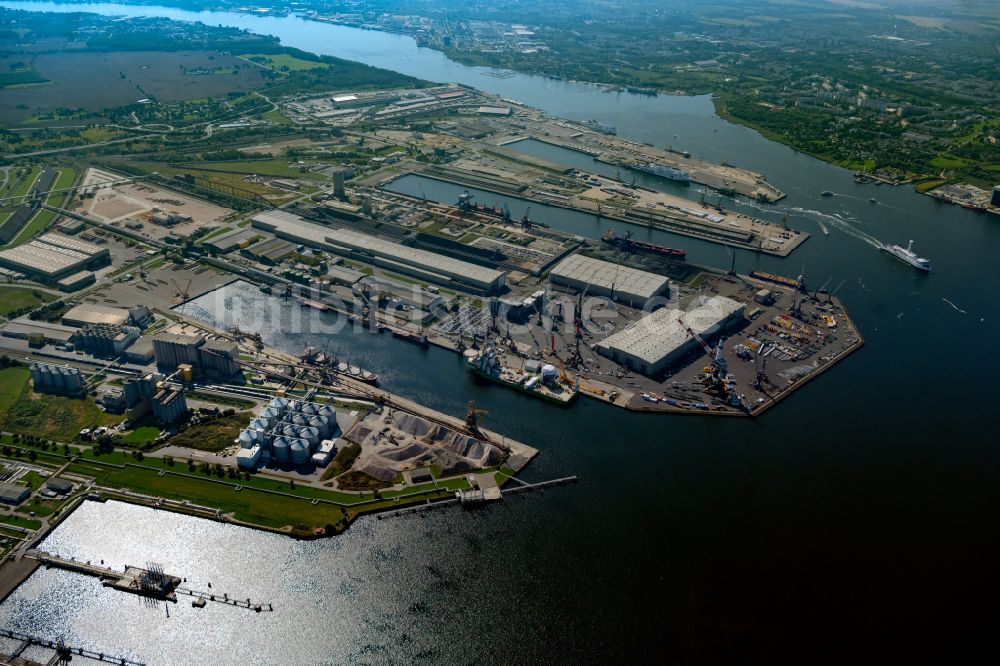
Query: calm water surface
[862, 509]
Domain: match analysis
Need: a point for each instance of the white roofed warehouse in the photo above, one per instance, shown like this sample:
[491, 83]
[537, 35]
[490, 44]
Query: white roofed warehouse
[430, 266]
[52, 257]
[659, 339]
[603, 278]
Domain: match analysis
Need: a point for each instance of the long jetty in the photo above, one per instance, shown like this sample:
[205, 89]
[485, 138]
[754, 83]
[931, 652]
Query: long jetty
[130, 580]
[62, 650]
[523, 487]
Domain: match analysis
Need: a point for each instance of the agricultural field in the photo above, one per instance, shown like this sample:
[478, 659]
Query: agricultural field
[92, 82]
[283, 62]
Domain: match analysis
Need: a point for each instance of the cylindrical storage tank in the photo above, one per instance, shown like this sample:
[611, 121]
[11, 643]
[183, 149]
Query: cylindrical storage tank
[292, 406]
[321, 425]
[58, 381]
[279, 403]
[280, 449]
[326, 410]
[300, 420]
[309, 434]
[299, 452]
[549, 372]
[270, 415]
[247, 439]
[308, 409]
[259, 424]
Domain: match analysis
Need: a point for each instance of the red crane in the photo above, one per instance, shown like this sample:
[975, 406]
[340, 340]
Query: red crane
[718, 360]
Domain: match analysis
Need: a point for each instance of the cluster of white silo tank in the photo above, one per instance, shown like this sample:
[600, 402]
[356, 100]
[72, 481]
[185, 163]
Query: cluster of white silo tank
[291, 430]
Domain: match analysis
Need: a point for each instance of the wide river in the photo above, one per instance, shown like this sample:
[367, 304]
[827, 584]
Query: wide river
[864, 507]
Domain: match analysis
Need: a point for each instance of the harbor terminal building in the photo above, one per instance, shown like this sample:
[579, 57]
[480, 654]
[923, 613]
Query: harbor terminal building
[392, 256]
[603, 278]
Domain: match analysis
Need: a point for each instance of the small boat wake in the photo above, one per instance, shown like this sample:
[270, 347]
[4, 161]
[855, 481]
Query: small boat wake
[848, 225]
[953, 305]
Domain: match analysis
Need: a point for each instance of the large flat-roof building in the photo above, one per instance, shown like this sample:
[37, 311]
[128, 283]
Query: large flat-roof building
[659, 339]
[603, 278]
[429, 266]
[92, 314]
[52, 257]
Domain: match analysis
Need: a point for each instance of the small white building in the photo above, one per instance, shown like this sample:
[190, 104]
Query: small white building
[248, 458]
[325, 452]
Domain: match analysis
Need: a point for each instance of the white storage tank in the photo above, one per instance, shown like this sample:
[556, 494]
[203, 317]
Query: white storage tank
[270, 416]
[279, 404]
[247, 439]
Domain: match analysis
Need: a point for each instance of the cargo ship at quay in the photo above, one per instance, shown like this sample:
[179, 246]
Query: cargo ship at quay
[542, 382]
[663, 171]
[626, 242]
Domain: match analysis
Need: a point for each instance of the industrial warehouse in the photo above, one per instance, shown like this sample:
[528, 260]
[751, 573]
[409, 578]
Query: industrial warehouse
[603, 278]
[661, 338]
[56, 259]
[430, 266]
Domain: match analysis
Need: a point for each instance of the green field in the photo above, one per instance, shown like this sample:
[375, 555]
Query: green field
[12, 382]
[49, 416]
[342, 461]
[213, 436]
[260, 508]
[21, 77]
[284, 62]
[13, 299]
[276, 117]
[142, 435]
[28, 523]
[276, 167]
[949, 162]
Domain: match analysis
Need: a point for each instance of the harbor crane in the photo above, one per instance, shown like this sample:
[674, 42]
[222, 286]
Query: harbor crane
[472, 414]
[182, 293]
[720, 368]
